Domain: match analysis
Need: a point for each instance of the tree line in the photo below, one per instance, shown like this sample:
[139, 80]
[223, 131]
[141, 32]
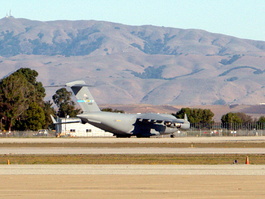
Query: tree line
[203, 118]
[22, 105]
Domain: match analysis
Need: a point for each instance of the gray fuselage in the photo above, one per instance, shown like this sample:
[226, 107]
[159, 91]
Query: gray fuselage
[130, 124]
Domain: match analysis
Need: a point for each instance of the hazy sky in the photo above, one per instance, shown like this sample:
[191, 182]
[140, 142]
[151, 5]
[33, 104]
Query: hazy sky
[240, 18]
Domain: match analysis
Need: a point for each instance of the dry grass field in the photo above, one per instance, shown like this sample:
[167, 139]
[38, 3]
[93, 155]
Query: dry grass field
[153, 159]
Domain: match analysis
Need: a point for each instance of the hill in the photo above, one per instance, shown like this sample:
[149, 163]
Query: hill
[255, 111]
[137, 64]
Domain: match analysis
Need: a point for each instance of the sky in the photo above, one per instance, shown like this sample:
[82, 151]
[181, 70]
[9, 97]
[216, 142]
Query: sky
[239, 18]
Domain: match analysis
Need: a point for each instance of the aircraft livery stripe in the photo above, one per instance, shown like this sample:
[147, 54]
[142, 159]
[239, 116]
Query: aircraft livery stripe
[89, 101]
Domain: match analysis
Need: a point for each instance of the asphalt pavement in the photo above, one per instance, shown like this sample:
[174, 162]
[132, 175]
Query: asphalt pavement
[127, 150]
[89, 169]
[214, 139]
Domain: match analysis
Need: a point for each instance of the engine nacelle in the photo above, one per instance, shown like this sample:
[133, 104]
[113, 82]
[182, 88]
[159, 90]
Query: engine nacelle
[173, 125]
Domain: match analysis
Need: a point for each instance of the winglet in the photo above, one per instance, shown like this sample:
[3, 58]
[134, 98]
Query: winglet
[53, 120]
[185, 117]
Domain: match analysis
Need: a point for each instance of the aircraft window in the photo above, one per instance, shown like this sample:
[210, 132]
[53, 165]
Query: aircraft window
[88, 130]
[72, 130]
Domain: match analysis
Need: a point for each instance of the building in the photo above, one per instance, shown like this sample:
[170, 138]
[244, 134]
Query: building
[74, 128]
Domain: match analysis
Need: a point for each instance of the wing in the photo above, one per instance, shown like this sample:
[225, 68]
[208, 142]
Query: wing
[165, 119]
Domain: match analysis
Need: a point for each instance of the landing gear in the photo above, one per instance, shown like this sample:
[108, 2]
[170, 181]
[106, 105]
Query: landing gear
[142, 136]
[123, 136]
[172, 135]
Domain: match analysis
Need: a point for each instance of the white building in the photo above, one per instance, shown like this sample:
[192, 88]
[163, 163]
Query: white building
[77, 129]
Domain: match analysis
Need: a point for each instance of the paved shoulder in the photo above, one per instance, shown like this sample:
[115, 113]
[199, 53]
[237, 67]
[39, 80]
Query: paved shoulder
[138, 150]
[221, 139]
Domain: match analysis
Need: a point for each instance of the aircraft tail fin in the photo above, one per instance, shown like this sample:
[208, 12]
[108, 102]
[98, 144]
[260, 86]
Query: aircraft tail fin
[83, 95]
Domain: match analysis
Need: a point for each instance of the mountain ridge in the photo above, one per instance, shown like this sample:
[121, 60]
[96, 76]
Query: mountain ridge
[137, 64]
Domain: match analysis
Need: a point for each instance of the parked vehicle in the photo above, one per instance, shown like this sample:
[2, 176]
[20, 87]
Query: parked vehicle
[41, 132]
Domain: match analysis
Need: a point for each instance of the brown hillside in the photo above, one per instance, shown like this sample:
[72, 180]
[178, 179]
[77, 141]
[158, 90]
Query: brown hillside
[137, 64]
[218, 110]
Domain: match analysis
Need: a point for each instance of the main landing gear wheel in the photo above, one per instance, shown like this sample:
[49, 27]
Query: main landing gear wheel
[123, 136]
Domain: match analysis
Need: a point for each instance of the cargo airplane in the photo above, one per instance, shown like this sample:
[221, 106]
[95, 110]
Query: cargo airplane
[122, 124]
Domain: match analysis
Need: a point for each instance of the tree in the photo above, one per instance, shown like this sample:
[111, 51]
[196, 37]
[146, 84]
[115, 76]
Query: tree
[31, 76]
[231, 120]
[34, 118]
[20, 96]
[262, 119]
[48, 110]
[4, 113]
[261, 123]
[244, 117]
[196, 115]
[62, 98]
[15, 91]
[112, 110]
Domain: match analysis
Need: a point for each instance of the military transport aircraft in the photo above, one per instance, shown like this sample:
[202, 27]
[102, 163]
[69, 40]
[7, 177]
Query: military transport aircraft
[122, 124]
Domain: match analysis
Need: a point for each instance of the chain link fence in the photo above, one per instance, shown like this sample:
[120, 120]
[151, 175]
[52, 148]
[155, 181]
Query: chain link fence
[30, 134]
[196, 130]
[223, 129]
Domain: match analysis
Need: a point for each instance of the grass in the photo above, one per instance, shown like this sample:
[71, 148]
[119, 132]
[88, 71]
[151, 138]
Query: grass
[135, 158]
[132, 159]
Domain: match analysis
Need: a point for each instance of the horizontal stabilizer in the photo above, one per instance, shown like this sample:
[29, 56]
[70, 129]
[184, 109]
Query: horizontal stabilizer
[55, 122]
[79, 83]
[83, 96]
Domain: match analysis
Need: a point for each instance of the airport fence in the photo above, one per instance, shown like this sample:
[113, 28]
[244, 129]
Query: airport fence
[25, 134]
[196, 130]
[224, 129]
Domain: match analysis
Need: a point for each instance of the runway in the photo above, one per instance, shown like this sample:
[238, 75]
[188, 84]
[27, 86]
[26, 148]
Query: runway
[235, 170]
[132, 181]
[131, 186]
[138, 150]
[230, 139]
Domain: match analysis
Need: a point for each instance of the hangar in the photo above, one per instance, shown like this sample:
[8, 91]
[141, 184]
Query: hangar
[73, 127]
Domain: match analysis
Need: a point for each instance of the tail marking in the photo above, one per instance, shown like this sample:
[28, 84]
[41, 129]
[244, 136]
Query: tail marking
[83, 96]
